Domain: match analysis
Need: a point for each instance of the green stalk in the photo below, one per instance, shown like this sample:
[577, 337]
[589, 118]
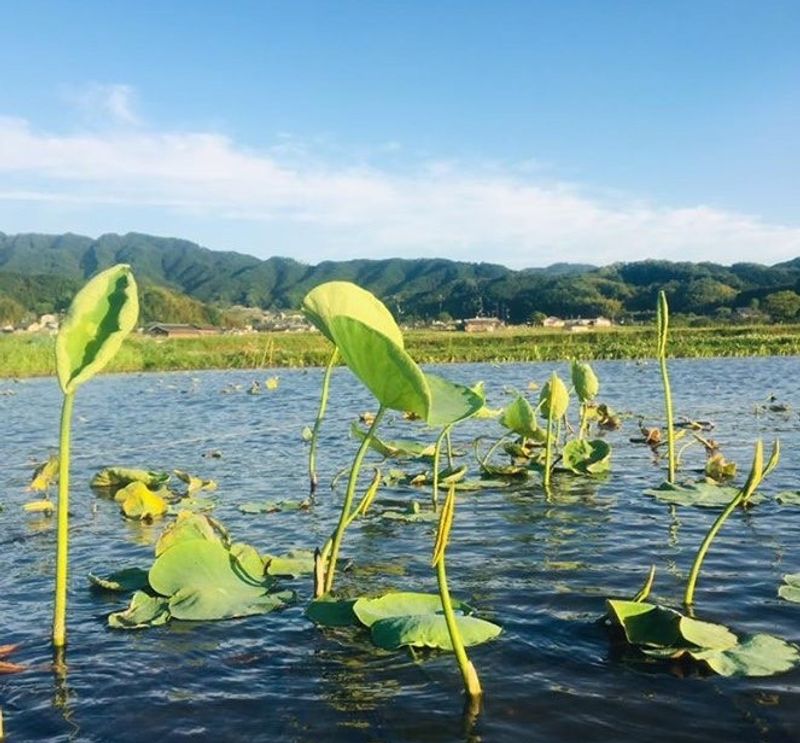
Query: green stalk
[757, 473]
[62, 538]
[449, 448]
[548, 450]
[437, 451]
[323, 404]
[348, 499]
[662, 316]
[472, 684]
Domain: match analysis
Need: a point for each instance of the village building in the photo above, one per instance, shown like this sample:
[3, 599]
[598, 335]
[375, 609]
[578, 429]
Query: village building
[553, 322]
[481, 324]
[177, 330]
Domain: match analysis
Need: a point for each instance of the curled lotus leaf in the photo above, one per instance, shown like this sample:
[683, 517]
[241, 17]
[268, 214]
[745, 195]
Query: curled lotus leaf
[145, 610]
[586, 457]
[518, 416]
[142, 503]
[430, 631]
[102, 313]
[122, 581]
[402, 603]
[119, 477]
[397, 449]
[39, 506]
[45, 475]
[584, 380]
[194, 483]
[554, 398]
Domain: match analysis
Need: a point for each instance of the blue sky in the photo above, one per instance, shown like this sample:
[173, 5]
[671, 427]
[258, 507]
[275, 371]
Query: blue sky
[516, 132]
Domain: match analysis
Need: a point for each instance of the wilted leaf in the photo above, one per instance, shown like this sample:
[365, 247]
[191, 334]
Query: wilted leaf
[39, 506]
[45, 475]
[193, 483]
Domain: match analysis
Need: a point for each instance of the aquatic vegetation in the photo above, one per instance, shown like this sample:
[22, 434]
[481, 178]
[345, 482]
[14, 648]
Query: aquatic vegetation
[139, 502]
[45, 475]
[702, 493]
[553, 403]
[102, 313]
[790, 590]
[198, 575]
[313, 436]
[193, 483]
[662, 318]
[371, 344]
[586, 386]
[112, 478]
[254, 507]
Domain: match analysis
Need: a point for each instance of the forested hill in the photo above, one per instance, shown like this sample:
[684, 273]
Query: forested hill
[41, 272]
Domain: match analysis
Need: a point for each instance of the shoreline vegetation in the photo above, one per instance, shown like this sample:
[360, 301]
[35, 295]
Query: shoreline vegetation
[33, 355]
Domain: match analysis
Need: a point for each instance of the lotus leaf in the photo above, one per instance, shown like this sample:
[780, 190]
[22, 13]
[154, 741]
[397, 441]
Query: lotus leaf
[330, 612]
[293, 564]
[586, 457]
[193, 483]
[450, 402]
[702, 493]
[196, 505]
[45, 475]
[412, 514]
[398, 449]
[758, 655]
[518, 416]
[189, 526]
[102, 313]
[39, 506]
[253, 507]
[584, 380]
[553, 398]
[401, 604]
[788, 498]
[204, 581]
[122, 581]
[248, 558]
[117, 477]
[142, 503]
[430, 631]
[144, 611]
[791, 588]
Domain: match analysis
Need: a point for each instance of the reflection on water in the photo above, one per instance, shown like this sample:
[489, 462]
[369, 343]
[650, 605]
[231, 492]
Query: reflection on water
[540, 564]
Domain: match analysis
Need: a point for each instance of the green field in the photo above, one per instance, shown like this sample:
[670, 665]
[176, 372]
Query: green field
[32, 355]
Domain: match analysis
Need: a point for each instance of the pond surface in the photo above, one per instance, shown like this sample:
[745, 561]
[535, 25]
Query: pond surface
[540, 569]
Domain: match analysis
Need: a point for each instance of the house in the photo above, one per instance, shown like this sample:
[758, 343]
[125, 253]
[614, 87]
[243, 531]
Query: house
[552, 322]
[481, 324]
[579, 324]
[176, 330]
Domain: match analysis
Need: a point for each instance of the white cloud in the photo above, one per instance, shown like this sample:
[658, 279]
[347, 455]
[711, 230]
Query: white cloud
[448, 209]
[104, 103]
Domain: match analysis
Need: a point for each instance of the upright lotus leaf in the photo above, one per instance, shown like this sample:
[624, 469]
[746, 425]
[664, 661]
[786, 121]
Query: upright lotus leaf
[119, 477]
[518, 416]
[102, 313]
[586, 457]
[584, 380]
[450, 402]
[554, 398]
[430, 631]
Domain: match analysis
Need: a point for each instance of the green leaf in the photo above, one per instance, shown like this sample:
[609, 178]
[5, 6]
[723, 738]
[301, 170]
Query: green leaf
[397, 449]
[587, 457]
[702, 493]
[585, 382]
[788, 498]
[430, 631]
[206, 582]
[398, 604]
[450, 402]
[118, 477]
[706, 634]
[759, 655]
[646, 624]
[554, 397]
[330, 612]
[144, 611]
[142, 503]
[791, 588]
[102, 313]
[122, 581]
[189, 526]
[518, 416]
[293, 564]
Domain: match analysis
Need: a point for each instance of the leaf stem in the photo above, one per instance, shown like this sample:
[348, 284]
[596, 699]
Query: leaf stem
[323, 404]
[548, 450]
[62, 537]
[662, 316]
[437, 452]
[348, 499]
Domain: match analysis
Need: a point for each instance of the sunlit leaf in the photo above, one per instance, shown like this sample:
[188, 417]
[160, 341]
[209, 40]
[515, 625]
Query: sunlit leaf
[194, 483]
[293, 564]
[703, 494]
[102, 313]
[554, 397]
[142, 503]
[403, 603]
[189, 526]
[122, 581]
[585, 382]
[45, 474]
[144, 611]
[118, 477]
[586, 457]
[39, 506]
[430, 631]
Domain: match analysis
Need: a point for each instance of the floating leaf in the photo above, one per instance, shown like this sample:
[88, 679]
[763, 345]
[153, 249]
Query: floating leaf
[45, 475]
[788, 498]
[399, 604]
[144, 611]
[189, 526]
[118, 477]
[39, 506]
[587, 457]
[122, 581]
[412, 514]
[102, 313]
[193, 483]
[330, 612]
[758, 655]
[702, 493]
[791, 588]
[430, 631]
[271, 383]
[142, 503]
[254, 507]
[293, 564]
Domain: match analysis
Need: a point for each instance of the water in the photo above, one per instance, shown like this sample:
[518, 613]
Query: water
[541, 570]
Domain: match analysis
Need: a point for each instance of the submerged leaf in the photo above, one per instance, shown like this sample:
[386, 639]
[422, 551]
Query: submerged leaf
[102, 313]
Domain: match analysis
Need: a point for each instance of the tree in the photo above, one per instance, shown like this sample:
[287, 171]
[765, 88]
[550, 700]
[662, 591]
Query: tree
[783, 306]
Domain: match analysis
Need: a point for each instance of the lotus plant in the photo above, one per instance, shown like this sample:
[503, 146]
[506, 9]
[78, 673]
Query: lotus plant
[371, 344]
[662, 319]
[101, 315]
[553, 402]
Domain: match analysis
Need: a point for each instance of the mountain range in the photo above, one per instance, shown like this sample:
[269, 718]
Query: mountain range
[183, 281]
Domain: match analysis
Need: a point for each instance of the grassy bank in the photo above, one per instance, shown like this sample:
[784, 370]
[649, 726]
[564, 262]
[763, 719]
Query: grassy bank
[32, 355]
